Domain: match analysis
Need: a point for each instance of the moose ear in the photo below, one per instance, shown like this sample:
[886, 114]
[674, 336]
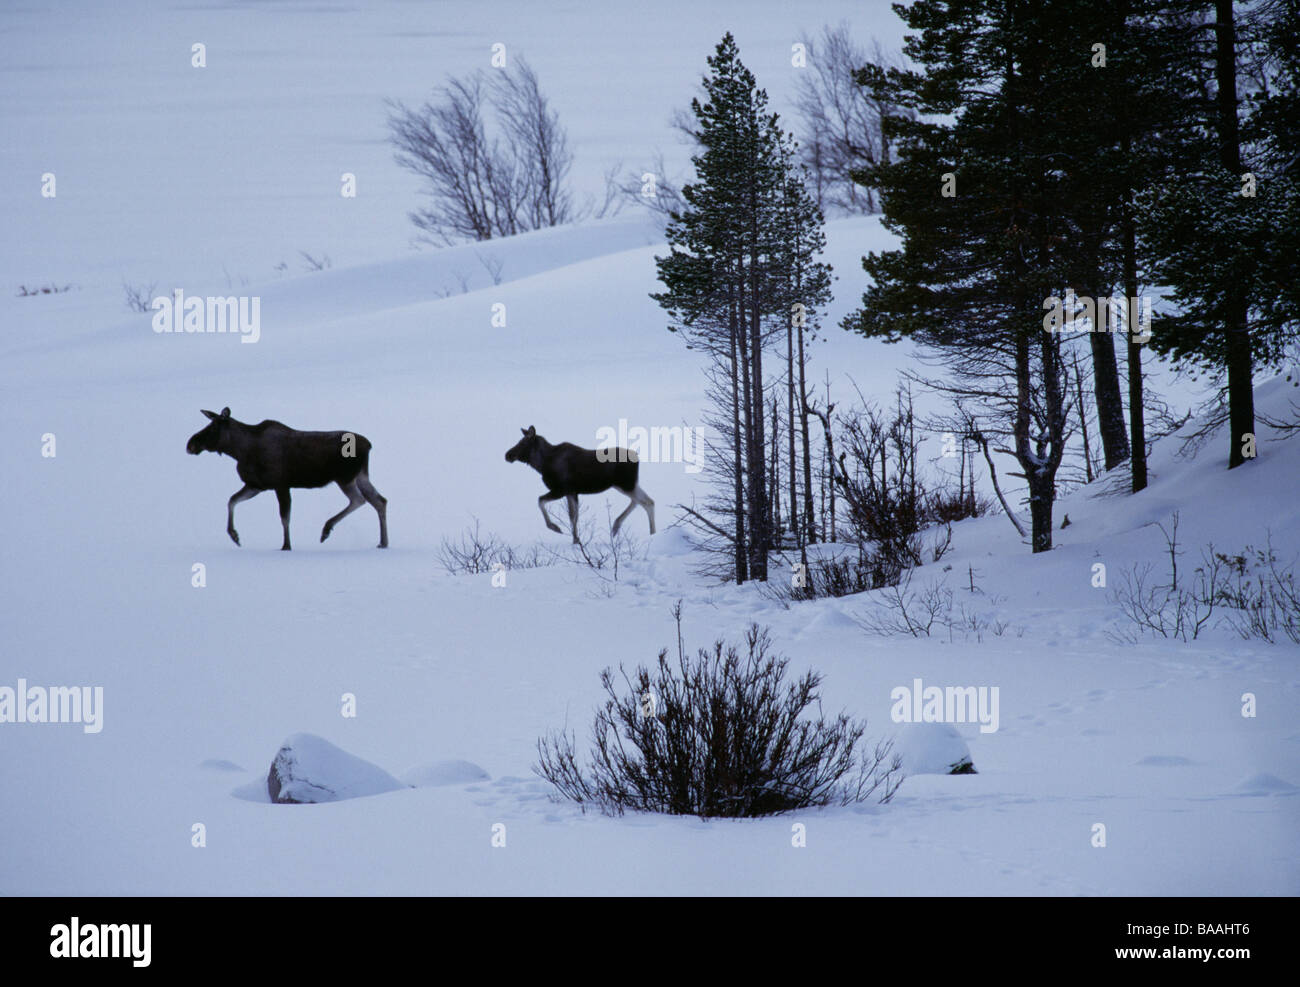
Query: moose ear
[225, 412]
[532, 430]
[211, 414]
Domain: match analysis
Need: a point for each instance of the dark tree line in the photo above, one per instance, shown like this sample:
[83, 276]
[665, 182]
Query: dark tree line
[1085, 148]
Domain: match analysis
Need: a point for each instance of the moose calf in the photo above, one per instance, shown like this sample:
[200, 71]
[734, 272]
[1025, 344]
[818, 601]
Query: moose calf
[569, 470]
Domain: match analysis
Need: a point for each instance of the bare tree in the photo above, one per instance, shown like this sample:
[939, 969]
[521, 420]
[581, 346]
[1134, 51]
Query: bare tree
[652, 188]
[485, 182]
[540, 144]
[139, 297]
[841, 119]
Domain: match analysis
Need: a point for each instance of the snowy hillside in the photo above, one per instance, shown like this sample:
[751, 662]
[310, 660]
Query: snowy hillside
[100, 542]
[202, 685]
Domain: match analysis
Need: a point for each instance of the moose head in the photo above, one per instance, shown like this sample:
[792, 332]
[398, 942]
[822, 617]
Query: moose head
[209, 439]
[522, 451]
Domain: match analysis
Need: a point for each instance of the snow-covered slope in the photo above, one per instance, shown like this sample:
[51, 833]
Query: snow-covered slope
[101, 540]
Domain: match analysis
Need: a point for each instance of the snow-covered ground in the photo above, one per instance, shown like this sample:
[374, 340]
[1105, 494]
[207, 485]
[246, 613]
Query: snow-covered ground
[201, 686]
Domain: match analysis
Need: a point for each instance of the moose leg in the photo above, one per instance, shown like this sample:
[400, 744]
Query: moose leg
[355, 500]
[378, 501]
[618, 521]
[573, 517]
[542, 501]
[282, 495]
[639, 496]
[246, 492]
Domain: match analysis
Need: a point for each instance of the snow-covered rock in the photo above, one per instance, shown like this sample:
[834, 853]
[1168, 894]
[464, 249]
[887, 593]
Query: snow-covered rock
[308, 768]
[444, 773]
[669, 543]
[1266, 784]
[933, 749]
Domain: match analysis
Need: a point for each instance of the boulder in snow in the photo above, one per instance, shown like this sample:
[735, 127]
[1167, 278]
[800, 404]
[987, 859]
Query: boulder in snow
[308, 768]
[933, 749]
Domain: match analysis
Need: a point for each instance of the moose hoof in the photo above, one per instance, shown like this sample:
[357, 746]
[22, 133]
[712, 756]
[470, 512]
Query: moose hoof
[234, 535]
[325, 533]
[556, 528]
[383, 544]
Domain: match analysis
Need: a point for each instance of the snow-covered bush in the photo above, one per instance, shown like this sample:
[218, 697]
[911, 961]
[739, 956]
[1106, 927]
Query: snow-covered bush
[721, 734]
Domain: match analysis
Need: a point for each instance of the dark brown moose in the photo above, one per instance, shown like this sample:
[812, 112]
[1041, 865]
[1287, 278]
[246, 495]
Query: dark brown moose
[569, 470]
[272, 456]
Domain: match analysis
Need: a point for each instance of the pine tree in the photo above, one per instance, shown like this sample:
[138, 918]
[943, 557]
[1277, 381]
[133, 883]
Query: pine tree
[741, 254]
[1221, 229]
[1125, 86]
[976, 194]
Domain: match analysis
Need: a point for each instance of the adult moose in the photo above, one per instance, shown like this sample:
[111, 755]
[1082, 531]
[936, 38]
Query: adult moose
[569, 470]
[273, 456]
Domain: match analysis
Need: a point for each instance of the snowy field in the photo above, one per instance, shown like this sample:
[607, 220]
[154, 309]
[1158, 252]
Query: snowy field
[206, 179]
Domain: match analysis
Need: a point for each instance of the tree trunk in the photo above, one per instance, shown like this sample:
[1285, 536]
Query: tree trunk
[796, 528]
[1137, 437]
[1237, 343]
[1083, 424]
[1110, 406]
[1040, 513]
[774, 474]
[762, 534]
[809, 518]
[1083, 421]
[742, 554]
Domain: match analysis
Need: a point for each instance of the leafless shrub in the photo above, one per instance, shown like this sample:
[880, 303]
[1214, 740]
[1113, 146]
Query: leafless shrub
[540, 144]
[842, 120]
[901, 610]
[950, 504]
[476, 551]
[970, 623]
[1260, 597]
[493, 266]
[139, 297]
[608, 555]
[311, 263]
[941, 544]
[614, 199]
[1210, 417]
[482, 182]
[45, 289]
[653, 189]
[1252, 593]
[722, 734]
